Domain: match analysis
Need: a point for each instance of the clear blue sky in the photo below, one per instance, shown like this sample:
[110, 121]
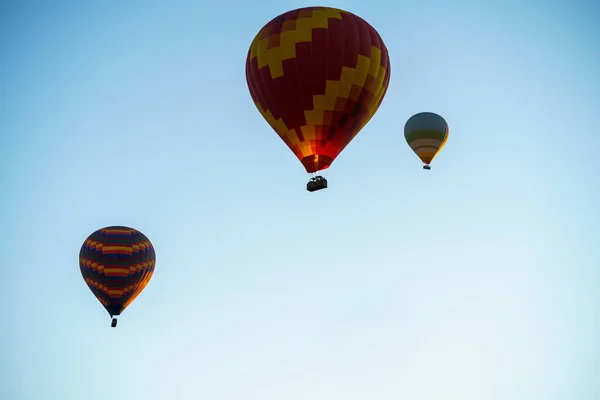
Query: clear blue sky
[476, 280]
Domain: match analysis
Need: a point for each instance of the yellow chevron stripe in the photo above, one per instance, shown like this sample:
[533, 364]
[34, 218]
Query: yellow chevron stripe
[107, 271]
[288, 38]
[135, 247]
[112, 231]
[349, 86]
[110, 292]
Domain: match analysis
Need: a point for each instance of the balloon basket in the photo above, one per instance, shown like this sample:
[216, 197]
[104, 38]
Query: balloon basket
[316, 183]
[427, 167]
[113, 323]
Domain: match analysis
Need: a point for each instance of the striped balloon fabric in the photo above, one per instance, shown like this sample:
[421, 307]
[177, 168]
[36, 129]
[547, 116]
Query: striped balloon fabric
[317, 75]
[426, 133]
[117, 263]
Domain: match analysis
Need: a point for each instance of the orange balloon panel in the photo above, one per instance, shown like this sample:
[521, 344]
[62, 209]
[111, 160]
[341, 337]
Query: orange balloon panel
[317, 75]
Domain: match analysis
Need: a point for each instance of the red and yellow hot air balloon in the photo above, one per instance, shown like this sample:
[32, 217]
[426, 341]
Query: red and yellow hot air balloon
[117, 263]
[317, 75]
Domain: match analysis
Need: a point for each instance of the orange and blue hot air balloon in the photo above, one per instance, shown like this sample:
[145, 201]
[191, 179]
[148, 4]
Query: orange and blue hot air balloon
[317, 75]
[426, 133]
[117, 263]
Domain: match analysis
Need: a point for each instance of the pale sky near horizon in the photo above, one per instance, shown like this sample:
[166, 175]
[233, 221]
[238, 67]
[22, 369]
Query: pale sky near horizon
[476, 280]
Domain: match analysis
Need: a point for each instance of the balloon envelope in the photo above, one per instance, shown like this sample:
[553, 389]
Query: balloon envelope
[426, 133]
[317, 75]
[117, 263]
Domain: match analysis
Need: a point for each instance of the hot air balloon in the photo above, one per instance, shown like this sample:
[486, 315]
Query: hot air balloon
[426, 133]
[317, 75]
[117, 263]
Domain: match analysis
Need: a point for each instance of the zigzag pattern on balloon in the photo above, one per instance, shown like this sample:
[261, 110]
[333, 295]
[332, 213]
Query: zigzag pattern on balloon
[317, 75]
[116, 270]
